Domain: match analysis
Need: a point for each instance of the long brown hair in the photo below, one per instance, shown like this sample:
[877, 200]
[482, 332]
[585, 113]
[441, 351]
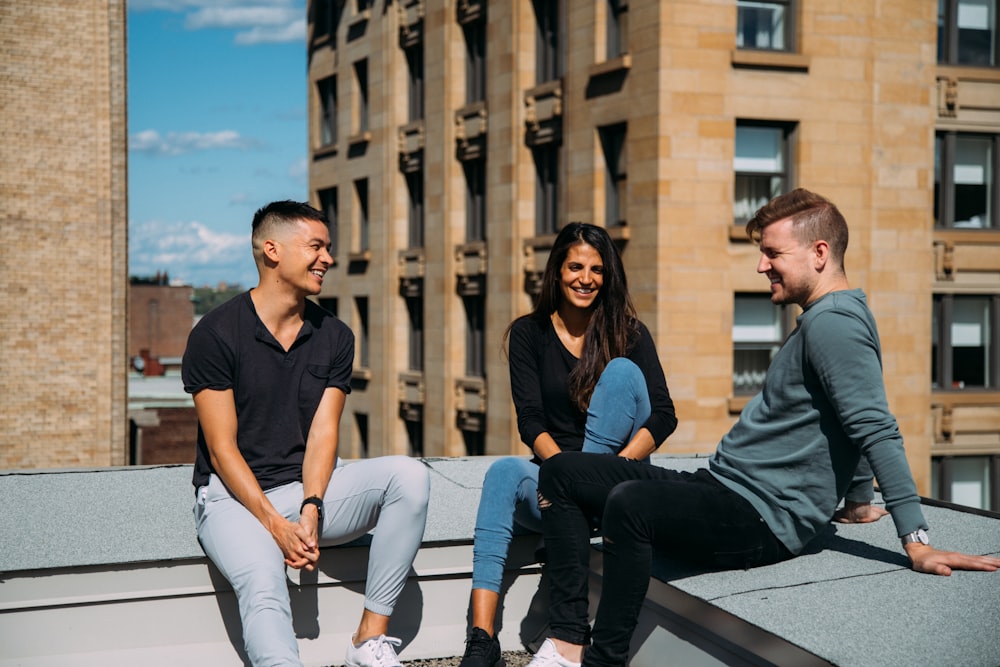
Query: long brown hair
[613, 326]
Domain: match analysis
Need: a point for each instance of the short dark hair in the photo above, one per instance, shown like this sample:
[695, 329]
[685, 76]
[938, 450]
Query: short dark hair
[814, 218]
[280, 214]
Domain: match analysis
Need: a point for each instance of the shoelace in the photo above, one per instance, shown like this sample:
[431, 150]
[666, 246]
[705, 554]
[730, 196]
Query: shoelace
[478, 646]
[383, 652]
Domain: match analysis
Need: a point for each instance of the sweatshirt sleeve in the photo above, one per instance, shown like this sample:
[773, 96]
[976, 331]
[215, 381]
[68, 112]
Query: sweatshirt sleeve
[844, 351]
[662, 419]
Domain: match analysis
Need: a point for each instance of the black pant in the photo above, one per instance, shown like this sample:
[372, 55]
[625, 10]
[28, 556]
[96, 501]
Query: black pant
[641, 508]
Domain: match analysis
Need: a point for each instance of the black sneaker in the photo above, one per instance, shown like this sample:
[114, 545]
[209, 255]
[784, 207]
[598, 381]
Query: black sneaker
[481, 650]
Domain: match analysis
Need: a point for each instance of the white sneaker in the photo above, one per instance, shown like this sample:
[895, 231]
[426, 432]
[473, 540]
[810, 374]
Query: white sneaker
[376, 652]
[548, 656]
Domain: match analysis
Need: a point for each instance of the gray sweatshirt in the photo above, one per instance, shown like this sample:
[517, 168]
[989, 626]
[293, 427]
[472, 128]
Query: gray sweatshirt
[807, 439]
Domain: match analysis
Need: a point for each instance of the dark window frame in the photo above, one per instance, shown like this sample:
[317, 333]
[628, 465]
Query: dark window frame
[946, 195]
[416, 209]
[786, 323]
[616, 29]
[549, 58]
[415, 333]
[475, 200]
[361, 79]
[950, 42]
[547, 160]
[415, 83]
[784, 176]
[475, 61]
[941, 477]
[326, 89]
[614, 144]
[364, 226]
[330, 205]
[943, 371]
[745, 22]
[475, 335]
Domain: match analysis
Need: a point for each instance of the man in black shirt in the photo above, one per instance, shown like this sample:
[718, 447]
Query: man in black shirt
[270, 372]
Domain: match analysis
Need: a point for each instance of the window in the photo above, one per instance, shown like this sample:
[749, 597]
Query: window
[327, 89]
[415, 83]
[361, 420]
[475, 443]
[361, 108]
[415, 434]
[615, 183]
[548, 47]
[475, 336]
[329, 304]
[475, 200]
[361, 198]
[617, 28]
[475, 61]
[966, 192]
[326, 19]
[973, 481]
[363, 351]
[546, 189]
[967, 32]
[759, 328]
[964, 341]
[415, 345]
[328, 204]
[415, 210]
[760, 163]
[764, 24]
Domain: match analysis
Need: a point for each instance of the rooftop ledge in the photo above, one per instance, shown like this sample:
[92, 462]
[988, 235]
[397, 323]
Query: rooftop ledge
[103, 567]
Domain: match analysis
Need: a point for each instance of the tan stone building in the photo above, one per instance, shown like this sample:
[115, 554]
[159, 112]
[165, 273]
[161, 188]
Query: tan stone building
[63, 221]
[450, 140]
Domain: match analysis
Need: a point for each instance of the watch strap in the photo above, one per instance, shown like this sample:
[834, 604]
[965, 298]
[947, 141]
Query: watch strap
[317, 502]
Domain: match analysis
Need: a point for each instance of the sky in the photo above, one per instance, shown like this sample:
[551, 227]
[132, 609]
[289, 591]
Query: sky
[217, 99]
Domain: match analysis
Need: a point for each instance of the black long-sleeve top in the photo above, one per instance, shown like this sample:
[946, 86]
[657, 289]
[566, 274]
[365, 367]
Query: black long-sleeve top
[539, 370]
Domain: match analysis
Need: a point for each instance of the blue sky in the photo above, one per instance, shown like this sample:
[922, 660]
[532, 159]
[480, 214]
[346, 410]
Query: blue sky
[217, 128]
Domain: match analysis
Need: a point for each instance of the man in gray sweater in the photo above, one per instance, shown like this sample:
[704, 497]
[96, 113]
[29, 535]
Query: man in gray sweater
[812, 437]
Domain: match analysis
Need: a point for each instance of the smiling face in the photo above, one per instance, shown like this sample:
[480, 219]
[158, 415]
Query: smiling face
[789, 263]
[581, 276]
[304, 255]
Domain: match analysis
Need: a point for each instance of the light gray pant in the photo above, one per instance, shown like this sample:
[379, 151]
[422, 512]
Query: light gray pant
[388, 494]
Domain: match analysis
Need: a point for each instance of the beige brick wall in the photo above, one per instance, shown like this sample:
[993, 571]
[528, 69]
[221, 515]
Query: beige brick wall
[63, 219]
[860, 91]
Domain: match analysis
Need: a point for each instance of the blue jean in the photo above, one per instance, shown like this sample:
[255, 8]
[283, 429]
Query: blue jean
[388, 494]
[508, 505]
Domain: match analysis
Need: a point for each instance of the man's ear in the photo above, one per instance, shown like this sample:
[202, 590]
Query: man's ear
[272, 252]
[822, 254]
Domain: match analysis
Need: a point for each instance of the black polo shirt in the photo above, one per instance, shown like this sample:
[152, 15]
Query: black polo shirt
[276, 392]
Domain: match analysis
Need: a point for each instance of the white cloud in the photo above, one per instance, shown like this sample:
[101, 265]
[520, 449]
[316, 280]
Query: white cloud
[257, 21]
[191, 252]
[241, 17]
[186, 5]
[292, 32]
[179, 143]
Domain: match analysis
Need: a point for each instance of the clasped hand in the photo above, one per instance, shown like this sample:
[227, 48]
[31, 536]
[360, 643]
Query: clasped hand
[298, 542]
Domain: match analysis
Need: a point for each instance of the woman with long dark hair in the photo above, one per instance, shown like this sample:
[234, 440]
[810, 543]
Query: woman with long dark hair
[584, 375]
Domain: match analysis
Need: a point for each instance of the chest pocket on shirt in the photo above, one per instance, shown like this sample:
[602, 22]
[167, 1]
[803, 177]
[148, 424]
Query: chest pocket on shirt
[313, 384]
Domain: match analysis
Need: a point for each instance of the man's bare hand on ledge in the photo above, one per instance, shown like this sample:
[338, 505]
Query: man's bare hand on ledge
[853, 512]
[929, 560]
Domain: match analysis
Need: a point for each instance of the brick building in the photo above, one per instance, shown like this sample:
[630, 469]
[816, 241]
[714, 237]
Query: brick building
[450, 141]
[160, 319]
[63, 215]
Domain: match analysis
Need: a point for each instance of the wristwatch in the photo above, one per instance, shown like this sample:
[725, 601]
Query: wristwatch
[318, 502]
[916, 536]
